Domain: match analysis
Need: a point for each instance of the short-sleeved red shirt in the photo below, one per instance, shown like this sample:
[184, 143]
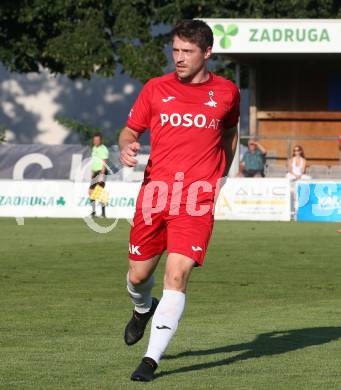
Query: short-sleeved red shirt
[186, 122]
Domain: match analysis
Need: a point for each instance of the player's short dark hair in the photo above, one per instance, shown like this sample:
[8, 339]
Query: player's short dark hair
[194, 31]
[98, 134]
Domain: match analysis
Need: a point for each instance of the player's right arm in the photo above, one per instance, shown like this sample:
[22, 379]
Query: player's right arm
[129, 146]
[138, 121]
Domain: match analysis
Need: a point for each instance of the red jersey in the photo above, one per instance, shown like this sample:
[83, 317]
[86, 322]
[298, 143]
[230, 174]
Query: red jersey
[186, 123]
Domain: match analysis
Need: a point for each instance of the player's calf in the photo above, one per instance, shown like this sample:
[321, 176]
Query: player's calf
[165, 323]
[145, 306]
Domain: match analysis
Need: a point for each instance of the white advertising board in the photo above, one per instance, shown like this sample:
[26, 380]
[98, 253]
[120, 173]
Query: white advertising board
[276, 35]
[62, 199]
[254, 199]
[239, 199]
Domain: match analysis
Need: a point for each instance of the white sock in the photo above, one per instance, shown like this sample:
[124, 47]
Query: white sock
[140, 294]
[165, 322]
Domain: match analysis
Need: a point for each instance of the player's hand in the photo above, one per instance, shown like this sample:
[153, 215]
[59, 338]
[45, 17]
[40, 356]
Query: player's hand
[128, 153]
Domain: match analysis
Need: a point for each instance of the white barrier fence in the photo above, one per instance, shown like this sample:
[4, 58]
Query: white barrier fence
[239, 199]
[254, 199]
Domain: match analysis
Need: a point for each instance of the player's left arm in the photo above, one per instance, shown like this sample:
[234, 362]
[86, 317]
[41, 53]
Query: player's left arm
[230, 131]
[230, 140]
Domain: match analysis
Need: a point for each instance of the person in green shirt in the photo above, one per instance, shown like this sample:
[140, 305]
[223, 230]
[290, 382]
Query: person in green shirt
[99, 158]
[253, 161]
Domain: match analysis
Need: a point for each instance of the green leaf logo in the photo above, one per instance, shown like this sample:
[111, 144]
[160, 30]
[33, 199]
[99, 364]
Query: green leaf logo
[60, 201]
[225, 34]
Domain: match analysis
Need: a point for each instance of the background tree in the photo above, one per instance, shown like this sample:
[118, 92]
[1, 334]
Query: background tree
[85, 131]
[2, 134]
[80, 38]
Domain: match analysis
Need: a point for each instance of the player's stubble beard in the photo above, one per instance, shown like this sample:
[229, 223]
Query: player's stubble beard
[186, 73]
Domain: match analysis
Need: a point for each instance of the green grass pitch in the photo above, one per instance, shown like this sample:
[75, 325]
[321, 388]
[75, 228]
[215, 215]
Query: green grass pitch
[263, 313]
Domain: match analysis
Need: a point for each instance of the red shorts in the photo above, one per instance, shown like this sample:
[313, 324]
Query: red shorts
[185, 234]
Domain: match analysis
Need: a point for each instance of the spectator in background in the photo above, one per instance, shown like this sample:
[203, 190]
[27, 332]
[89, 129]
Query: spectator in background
[99, 159]
[253, 161]
[297, 165]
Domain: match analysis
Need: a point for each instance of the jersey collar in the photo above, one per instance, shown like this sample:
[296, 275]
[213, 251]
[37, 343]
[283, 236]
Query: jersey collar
[210, 78]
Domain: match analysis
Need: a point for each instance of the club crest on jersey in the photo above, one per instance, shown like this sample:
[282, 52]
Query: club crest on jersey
[211, 102]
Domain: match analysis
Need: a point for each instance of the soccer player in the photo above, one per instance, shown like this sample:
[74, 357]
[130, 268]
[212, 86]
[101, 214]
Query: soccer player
[191, 114]
[99, 158]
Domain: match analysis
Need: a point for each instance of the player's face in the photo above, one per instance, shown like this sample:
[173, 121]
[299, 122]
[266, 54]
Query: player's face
[97, 141]
[188, 58]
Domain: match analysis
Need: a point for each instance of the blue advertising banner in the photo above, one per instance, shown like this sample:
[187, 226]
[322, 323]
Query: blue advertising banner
[319, 201]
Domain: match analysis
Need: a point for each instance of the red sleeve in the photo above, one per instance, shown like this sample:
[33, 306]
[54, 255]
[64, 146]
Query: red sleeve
[140, 114]
[232, 116]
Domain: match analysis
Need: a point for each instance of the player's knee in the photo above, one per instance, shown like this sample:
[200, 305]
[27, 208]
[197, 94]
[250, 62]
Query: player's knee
[175, 280]
[137, 278]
